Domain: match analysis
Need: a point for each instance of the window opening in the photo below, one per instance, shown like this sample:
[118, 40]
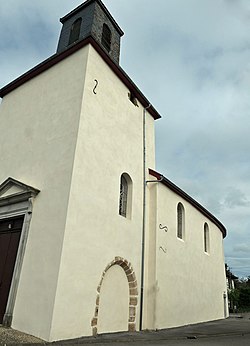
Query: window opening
[123, 196]
[206, 238]
[106, 37]
[180, 221]
[75, 31]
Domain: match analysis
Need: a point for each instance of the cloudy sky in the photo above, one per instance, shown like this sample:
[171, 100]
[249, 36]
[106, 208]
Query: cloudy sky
[191, 59]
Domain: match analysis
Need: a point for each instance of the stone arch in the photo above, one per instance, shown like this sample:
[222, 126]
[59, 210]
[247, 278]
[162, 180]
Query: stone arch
[133, 293]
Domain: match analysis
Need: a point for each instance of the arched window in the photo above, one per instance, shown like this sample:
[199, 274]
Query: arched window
[75, 31]
[125, 198]
[106, 37]
[180, 221]
[206, 238]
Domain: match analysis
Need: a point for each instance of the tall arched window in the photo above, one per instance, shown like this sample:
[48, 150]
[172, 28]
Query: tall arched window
[206, 238]
[106, 37]
[180, 221]
[125, 198]
[75, 31]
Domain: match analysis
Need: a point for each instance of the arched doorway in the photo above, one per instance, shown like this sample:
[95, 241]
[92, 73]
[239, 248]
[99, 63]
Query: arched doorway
[117, 298]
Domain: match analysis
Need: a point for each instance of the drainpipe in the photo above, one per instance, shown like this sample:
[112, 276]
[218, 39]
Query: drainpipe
[143, 214]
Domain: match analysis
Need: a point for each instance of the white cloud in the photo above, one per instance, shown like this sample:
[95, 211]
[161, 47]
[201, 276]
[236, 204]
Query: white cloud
[245, 248]
[236, 198]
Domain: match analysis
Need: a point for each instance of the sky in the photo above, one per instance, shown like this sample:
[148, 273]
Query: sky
[191, 59]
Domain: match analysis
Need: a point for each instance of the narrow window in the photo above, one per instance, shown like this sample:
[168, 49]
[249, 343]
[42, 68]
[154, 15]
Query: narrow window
[206, 238]
[75, 31]
[125, 198]
[180, 221]
[106, 37]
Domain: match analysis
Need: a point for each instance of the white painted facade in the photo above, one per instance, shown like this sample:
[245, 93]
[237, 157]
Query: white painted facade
[189, 282]
[81, 267]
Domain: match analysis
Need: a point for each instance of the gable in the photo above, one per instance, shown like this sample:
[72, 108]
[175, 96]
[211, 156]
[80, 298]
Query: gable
[12, 190]
[56, 58]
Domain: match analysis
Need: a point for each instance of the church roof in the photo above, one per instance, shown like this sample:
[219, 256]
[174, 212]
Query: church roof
[189, 199]
[56, 58]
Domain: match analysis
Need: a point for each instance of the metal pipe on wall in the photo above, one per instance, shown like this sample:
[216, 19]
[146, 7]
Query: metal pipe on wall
[143, 214]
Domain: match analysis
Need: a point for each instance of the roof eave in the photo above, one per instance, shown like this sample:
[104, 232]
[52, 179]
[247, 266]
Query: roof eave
[189, 199]
[56, 58]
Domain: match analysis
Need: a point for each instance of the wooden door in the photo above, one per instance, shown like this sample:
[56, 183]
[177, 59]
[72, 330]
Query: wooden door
[10, 232]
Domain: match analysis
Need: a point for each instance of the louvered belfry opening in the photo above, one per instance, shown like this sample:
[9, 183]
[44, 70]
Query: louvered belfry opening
[75, 31]
[106, 37]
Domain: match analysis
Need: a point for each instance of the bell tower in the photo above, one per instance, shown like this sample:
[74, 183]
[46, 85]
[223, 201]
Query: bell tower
[93, 19]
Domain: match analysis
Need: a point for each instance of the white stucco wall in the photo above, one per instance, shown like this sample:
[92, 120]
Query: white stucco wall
[109, 144]
[74, 145]
[189, 283]
[39, 125]
[114, 289]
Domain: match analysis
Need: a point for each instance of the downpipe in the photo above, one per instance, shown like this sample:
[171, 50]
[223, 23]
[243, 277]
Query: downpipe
[143, 216]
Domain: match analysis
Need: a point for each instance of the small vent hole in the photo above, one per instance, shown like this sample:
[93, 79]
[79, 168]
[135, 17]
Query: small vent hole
[133, 99]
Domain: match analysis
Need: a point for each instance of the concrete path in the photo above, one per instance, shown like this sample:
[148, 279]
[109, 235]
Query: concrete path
[235, 326]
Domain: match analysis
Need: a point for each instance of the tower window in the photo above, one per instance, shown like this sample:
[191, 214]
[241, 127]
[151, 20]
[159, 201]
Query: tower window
[125, 198]
[75, 31]
[180, 221]
[106, 37]
[206, 238]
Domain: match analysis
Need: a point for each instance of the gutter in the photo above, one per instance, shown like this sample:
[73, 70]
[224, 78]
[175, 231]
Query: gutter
[189, 199]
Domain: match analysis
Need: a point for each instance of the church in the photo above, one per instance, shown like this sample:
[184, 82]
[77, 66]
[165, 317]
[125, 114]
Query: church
[92, 238]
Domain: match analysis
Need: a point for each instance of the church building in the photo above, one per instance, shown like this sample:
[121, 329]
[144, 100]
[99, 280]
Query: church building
[92, 238]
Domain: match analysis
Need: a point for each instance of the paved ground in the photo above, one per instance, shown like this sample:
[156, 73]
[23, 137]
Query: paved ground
[10, 336]
[233, 331]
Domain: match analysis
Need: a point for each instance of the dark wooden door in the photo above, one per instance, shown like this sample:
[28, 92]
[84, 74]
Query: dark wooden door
[10, 232]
